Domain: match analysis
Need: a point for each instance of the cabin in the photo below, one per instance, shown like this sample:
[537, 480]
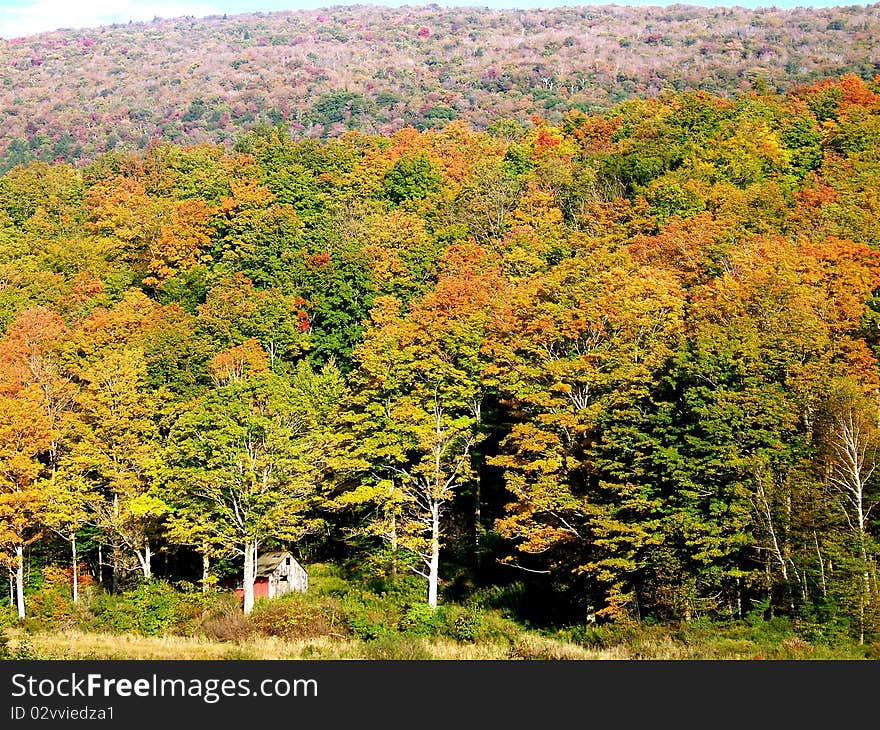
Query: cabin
[277, 573]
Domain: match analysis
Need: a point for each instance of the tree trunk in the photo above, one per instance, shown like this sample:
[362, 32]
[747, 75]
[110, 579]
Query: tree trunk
[250, 565]
[478, 518]
[865, 599]
[393, 548]
[19, 579]
[145, 559]
[477, 410]
[434, 567]
[821, 566]
[75, 566]
[206, 565]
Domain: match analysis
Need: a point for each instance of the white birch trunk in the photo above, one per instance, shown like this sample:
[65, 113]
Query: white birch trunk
[855, 446]
[393, 547]
[75, 565]
[19, 579]
[145, 559]
[250, 565]
[434, 565]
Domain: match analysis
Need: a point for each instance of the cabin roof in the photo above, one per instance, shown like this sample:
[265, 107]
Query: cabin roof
[267, 562]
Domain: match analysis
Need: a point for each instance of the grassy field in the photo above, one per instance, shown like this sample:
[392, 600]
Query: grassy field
[342, 618]
[79, 645]
[722, 645]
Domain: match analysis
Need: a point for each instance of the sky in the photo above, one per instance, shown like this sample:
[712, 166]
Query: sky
[26, 17]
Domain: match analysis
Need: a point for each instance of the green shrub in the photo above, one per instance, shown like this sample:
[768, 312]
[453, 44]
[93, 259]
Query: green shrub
[506, 598]
[466, 625]
[420, 620]
[369, 628]
[495, 629]
[602, 636]
[368, 616]
[23, 650]
[8, 616]
[150, 609]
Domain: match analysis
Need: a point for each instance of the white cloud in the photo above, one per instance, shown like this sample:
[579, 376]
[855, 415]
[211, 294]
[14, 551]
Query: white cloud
[36, 16]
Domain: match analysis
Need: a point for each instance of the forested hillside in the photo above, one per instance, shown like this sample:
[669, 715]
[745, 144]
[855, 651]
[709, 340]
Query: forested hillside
[627, 361]
[68, 95]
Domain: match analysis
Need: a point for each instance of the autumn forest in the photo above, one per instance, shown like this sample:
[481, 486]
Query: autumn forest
[623, 362]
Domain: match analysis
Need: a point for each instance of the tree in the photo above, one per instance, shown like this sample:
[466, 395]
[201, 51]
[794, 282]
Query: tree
[181, 242]
[253, 234]
[411, 178]
[127, 218]
[417, 411]
[853, 439]
[486, 199]
[250, 455]
[235, 311]
[766, 334]
[115, 451]
[420, 449]
[66, 511]
[413, 431]
[36, 398]
[25, 435]
[29, 356]
[575, 353]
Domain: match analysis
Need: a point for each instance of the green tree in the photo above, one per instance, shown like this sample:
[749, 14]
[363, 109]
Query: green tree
[577, 351]
[251, 455]
[411, 178]
[114, 453]
[414, 418]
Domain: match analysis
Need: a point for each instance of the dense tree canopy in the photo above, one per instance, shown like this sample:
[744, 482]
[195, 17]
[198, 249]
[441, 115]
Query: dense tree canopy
[629, 359]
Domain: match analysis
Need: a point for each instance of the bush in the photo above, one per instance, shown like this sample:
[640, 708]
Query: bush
[603, 636]
[532, 647]
[494, 629]
[466, 625]
[51, 605]
[22, 650]
[369, 627]
[507, 598]
[421, 620]
[233, 627]
[224, 620]
[150, 609]
[8, 616]
[293, 617]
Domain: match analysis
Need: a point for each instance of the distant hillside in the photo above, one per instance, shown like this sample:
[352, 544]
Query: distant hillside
[69, 95]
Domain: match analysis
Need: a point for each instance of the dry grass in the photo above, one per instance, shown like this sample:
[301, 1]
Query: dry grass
[526, 646]
[79, 645]
[532, 646]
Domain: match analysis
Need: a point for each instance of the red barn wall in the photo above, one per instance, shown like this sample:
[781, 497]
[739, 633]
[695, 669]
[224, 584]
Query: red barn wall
[261, 589]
